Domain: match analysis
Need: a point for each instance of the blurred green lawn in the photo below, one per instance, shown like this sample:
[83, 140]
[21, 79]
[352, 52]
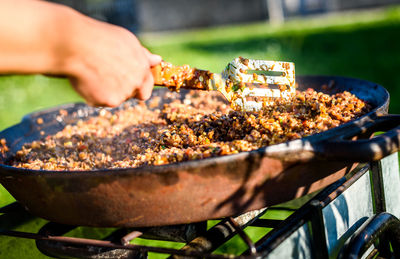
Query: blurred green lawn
[364, 45]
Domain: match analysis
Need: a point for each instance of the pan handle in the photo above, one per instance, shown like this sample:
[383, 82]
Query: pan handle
[364, 150]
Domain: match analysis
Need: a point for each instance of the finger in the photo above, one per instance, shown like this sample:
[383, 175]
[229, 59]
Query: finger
[80, 89]
[153, 58]
[144, 92]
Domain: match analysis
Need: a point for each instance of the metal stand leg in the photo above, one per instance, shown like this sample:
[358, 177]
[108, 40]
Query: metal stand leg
[382, 224]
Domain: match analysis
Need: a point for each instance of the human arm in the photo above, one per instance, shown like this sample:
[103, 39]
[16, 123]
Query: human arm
[106, 64]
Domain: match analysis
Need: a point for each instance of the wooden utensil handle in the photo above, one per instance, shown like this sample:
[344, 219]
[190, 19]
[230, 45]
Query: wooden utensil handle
[156, 71]
[175, 77]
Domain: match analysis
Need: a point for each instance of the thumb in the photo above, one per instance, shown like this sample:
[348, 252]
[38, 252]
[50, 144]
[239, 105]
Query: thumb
[153, 58]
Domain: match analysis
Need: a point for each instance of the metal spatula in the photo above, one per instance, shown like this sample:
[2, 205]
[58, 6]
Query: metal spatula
[247, 84]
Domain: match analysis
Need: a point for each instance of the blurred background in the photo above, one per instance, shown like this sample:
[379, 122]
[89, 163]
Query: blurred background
[354, 38]
[357, 38]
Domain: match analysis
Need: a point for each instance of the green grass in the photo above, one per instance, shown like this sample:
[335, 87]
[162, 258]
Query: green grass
[364, 45]
[361, 45]
[20, 95]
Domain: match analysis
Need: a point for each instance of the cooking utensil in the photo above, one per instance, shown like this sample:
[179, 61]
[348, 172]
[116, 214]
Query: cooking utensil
[242, 82]
[202, 189]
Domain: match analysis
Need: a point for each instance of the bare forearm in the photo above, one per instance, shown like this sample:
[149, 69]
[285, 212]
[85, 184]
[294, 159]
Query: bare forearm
[32, 36]
[106, 64]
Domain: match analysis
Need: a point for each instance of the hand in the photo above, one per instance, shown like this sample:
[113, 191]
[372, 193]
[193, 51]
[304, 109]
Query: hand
[107, 64]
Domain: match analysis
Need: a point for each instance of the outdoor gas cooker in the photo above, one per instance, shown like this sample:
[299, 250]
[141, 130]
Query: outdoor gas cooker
[346, 219]
[198, 190]
[138, 199]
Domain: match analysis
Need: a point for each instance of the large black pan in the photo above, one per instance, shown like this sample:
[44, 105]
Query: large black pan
[198, 190]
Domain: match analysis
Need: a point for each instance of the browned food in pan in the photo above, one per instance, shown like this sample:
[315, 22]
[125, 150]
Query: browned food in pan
[200, 126]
